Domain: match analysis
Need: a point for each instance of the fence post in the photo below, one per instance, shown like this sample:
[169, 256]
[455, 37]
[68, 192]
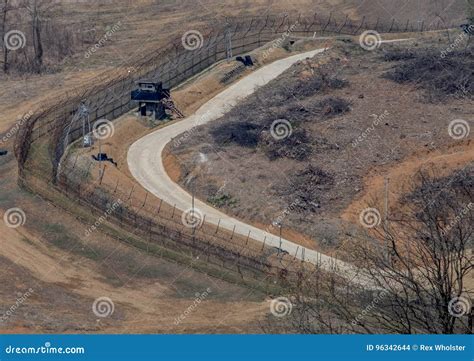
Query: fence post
[344, 24]
[172, 214]
[233, 231]
[377, 25]
[360, 26]
[131, 191]
[218, 224]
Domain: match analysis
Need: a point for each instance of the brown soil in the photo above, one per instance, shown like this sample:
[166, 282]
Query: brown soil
[412, 134]
[148, 292]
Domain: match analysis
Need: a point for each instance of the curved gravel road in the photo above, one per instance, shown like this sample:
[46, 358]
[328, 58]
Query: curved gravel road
[146, 164]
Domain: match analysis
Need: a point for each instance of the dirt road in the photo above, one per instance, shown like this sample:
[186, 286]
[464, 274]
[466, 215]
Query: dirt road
[146, 163]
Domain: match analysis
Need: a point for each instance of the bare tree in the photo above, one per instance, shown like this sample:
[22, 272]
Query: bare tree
[417, 269]
[38, 11]
[4, 9]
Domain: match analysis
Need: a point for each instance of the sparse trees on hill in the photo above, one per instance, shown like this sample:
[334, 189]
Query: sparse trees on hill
[37, 38]
[4, 9]
[38, 10]
[419, 270]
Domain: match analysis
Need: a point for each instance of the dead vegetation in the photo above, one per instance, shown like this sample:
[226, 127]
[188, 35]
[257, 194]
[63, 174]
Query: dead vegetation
[441, 75]
[297, 101]
[297, 147]
[419, 276]
[306, 187]
[455, 192]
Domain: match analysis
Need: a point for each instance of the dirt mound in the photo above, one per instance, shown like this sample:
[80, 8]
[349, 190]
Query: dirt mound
[455, 190]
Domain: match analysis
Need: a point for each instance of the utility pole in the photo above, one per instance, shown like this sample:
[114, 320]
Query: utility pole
[84, 114]
[100, 161]
[385, 222]
[193, 217]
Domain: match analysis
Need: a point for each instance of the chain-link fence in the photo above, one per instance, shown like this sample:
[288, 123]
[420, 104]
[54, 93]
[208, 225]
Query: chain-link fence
[60, 124]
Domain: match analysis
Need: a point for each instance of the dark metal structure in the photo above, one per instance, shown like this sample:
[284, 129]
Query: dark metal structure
[150, 96]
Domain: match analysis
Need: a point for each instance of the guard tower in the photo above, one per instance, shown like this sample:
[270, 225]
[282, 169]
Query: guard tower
[150, 97]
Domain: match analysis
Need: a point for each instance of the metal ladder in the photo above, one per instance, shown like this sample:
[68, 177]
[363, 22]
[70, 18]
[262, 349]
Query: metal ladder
[169, 104]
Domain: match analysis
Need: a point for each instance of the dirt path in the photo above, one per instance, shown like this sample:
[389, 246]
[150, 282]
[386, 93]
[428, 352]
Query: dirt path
[146, 163]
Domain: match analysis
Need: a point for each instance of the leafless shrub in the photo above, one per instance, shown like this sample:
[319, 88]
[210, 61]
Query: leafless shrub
[243, 133]
[440, 76]
[306, 186]
[413, 270]
[297, 146]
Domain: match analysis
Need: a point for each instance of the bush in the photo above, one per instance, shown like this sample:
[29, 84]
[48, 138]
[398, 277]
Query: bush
[222, 200]
[334, 106]
[398, 54]
[307, 185]
[245, 134]
[297, 146]
[439, 75]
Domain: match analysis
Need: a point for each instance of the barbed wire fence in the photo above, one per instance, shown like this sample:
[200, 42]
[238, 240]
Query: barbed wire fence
[58, 125]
